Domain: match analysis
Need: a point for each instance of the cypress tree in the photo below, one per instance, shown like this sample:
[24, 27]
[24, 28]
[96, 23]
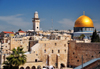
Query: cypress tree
[95, 37]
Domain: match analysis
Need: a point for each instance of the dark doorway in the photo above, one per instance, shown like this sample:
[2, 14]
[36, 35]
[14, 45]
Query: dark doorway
[38, 67]
[47, 60]
[21, 67]
[35, 60]
[56, 61]
[62, 65]
[33, 67]
[27, 67]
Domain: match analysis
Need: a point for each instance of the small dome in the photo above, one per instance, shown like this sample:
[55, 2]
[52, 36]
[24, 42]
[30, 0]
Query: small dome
[84, 21]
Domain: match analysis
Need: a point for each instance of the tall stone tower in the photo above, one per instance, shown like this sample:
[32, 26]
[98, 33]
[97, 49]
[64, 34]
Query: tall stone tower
[36, 22]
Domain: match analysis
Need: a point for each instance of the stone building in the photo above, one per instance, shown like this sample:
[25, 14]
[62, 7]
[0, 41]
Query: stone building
[6, 34]
[11, 42]
[20, 42]
[89, 51]
[22, 33]
[49, 53]
[40, 52]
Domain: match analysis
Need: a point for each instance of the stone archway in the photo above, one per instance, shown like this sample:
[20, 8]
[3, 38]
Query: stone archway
[62, 65]
[21, 67]
[27, 67]
[33, 67]
[39, 67]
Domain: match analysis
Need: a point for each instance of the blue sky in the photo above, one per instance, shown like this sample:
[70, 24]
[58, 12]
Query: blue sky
[16, 14]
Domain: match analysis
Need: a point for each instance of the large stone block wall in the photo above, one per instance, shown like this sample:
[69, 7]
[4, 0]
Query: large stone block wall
[76, 50]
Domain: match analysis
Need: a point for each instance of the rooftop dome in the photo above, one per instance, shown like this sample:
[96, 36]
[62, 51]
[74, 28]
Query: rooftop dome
[84, 21]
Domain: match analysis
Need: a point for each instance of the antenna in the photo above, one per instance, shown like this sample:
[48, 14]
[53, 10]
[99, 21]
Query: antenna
[83, 12]
[52, 24]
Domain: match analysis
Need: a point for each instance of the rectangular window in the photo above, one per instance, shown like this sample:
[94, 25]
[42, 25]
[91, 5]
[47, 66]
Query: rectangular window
[58, 51]
[52, 51]
[44, 51]
[65, 51]
[55, 44]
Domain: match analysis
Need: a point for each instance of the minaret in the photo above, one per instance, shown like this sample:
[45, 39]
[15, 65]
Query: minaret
[36, 22]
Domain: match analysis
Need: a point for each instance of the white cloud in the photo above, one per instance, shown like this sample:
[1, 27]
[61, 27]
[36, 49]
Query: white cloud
[15, 20]
[67, 23]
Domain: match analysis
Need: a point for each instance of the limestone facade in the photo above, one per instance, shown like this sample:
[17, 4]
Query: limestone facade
[49, 53]
[76, 50]
[20, 42]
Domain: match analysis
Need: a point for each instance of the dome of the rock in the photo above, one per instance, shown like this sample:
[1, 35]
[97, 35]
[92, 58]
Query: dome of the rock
[84, 21]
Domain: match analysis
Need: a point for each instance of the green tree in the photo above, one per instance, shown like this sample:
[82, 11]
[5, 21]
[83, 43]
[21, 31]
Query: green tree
[95, 37]
[16, 59]
[56, 29]
[82, 36]
[69, 30]
[19, 30]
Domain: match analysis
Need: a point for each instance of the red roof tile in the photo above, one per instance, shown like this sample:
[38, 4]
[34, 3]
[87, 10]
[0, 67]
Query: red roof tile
[21, 31]
[8, 32]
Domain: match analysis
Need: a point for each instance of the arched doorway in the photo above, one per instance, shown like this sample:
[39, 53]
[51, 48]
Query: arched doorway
[27, 67]
[39, 67]
[33, 67]
[21, 67]
[62, 65]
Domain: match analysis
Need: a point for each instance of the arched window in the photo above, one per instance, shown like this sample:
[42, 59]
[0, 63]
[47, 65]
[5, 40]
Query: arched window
[21, 67]
[33, 67]
[27, 67]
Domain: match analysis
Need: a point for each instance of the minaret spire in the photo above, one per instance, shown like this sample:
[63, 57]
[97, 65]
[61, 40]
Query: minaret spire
[36, 22]
[83, 12]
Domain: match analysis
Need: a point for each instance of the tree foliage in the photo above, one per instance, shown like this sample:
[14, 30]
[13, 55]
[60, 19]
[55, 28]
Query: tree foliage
[19, 30]
[82, 36]
[16, 59]
[95, 37]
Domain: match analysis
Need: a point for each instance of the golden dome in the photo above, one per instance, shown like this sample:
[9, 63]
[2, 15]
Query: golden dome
[84, 21]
